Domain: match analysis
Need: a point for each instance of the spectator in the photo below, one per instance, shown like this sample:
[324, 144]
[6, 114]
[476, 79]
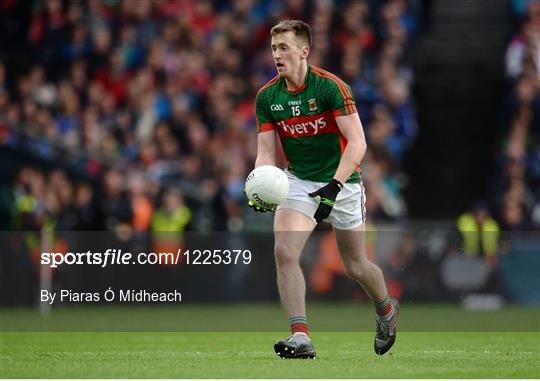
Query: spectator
[169, 223]
[115, 206]
[480, 233]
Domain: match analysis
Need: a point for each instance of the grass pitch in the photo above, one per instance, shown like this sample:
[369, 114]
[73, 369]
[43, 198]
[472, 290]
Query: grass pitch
[250, 355]
[91, 354]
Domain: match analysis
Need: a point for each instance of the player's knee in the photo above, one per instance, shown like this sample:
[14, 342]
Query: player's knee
[284, 255]
[356, 271]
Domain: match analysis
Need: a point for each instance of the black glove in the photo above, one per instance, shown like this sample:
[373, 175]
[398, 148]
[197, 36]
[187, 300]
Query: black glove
[257, 208]
[328, 195]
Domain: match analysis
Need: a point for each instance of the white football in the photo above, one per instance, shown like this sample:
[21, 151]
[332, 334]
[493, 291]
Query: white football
[267, 186]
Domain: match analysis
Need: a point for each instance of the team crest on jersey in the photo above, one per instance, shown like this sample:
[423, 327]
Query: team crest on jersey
[312, 103]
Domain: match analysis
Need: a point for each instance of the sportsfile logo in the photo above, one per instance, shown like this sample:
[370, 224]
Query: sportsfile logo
[276, 107]
[311, 127]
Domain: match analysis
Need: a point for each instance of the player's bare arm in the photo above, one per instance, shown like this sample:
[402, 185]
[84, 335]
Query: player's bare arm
[266, 149]
[351, 128]
[266, 155]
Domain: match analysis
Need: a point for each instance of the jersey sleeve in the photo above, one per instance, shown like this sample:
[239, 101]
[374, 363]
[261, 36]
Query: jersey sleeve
[340, 98]
[262, 111]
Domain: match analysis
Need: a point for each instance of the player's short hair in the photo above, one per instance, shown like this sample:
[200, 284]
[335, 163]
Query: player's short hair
[300, 28]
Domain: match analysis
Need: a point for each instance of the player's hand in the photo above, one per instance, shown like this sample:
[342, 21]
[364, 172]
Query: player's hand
[257, 208]
[328, 195]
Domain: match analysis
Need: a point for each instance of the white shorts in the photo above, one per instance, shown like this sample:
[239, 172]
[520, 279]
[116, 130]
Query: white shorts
[348, 213]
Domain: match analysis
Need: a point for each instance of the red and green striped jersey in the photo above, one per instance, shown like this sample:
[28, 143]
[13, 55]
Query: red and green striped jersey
[305, 122]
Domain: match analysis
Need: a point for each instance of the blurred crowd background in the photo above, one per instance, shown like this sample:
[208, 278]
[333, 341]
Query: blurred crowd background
[129, 101]
[517, 187]
[138, 115]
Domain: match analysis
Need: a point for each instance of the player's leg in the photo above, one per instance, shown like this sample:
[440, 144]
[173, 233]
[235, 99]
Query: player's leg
[291, 230]
[351, 245]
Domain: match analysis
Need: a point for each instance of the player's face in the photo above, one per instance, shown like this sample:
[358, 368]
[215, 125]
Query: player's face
[287, 53]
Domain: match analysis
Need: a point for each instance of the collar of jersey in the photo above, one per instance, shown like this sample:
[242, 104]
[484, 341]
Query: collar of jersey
[304, 85]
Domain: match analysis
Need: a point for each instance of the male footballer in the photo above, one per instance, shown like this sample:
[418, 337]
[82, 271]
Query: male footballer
[314, 114]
